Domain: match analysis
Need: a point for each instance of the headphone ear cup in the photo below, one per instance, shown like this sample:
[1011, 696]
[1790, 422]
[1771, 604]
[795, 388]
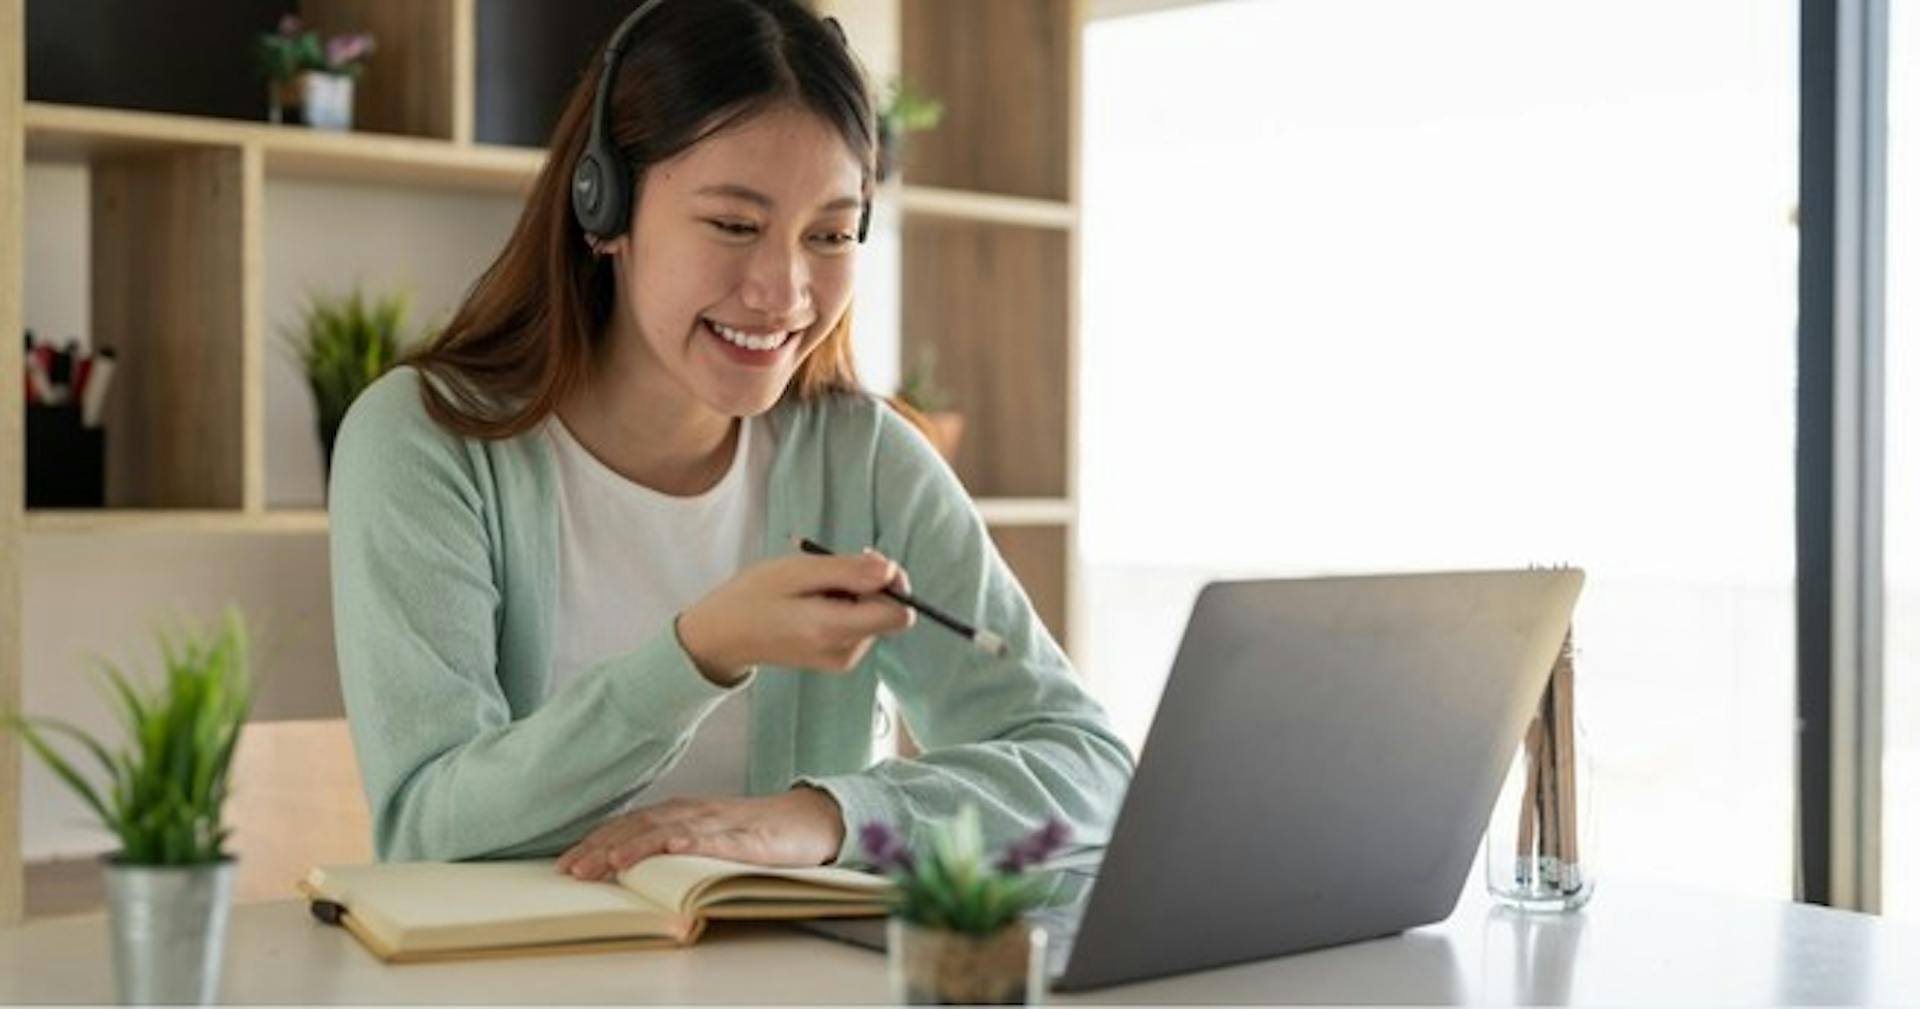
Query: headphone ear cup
[589, 189]
[601, 195]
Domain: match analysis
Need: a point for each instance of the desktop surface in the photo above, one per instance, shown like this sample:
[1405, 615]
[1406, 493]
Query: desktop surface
[1635, 944]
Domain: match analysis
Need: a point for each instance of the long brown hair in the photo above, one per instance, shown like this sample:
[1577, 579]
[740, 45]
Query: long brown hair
[527, 332]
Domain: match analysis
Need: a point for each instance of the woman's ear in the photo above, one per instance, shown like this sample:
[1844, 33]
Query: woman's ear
[606, 246]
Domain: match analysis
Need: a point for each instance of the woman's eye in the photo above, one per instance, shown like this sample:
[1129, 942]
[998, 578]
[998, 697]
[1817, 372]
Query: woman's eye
[737, 229]
[836, 239]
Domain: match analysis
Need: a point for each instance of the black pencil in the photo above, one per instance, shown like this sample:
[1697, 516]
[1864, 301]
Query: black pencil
[986, 641]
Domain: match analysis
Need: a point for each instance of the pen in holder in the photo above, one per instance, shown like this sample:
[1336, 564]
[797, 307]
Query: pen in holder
[1537, 839]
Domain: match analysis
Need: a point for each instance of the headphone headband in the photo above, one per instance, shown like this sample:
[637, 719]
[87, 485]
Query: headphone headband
[602, 179]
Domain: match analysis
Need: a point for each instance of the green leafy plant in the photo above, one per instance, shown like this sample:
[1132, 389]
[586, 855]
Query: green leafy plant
[954, 886]
[292, 48]
[906, 110]
[162, 793]
[344, 345]
[919, 388]
[902, 112]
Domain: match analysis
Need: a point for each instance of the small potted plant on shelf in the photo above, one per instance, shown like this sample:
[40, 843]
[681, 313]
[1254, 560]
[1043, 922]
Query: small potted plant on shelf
[922, 400]
[904, 111]
[344, 344]
[161, 795]
[310, 81]
[958, 932]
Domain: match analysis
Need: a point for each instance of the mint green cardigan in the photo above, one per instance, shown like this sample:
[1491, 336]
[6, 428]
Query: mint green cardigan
[445, 554]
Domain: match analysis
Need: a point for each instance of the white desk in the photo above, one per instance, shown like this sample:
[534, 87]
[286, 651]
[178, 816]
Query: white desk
[1631, 945]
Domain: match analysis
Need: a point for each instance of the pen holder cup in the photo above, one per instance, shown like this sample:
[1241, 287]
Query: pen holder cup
[1539, 842]
[66, 461]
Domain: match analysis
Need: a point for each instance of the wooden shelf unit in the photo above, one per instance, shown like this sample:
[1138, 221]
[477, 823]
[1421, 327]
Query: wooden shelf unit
[989, 254]
[989, 241]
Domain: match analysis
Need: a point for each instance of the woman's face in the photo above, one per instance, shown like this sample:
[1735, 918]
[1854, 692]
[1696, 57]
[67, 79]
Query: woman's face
[739, 260]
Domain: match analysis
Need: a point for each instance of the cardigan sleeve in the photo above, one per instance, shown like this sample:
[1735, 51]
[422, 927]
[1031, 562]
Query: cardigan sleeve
[1016, 736]
[448, 771]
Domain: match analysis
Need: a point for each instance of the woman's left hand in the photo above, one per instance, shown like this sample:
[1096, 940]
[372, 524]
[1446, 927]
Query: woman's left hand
[797, 828]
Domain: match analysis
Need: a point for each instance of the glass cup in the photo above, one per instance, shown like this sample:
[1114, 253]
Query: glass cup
[1539, 844]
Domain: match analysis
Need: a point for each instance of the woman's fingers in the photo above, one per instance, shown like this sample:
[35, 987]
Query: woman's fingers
[860, 574]
[587, 859]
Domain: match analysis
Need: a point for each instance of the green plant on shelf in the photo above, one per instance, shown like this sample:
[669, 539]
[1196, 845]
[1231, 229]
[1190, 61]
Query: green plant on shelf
[292, 49]
[163, 791]
[903, 111]
[919, 388]
[344, 345]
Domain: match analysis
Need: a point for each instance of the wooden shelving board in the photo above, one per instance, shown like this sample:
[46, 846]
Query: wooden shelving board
[999, 512]
[78, 133]
[88, 521]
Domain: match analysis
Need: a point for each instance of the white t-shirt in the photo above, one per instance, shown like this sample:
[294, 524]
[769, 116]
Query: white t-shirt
[631, 558]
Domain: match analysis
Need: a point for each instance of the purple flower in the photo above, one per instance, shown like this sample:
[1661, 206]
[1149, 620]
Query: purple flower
[289, 25]
[346, 50]
[885, 847]
[1033, 849]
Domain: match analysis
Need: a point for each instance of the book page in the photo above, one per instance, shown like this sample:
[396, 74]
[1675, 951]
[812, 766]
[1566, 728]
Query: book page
[688, 882]
[422, 906]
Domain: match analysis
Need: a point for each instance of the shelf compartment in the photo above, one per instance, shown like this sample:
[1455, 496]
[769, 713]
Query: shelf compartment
[1004, 71]
[991, 301]
[414, 89]
[168, 295]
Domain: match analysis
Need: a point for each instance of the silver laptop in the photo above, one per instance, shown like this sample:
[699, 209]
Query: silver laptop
[1320, 769]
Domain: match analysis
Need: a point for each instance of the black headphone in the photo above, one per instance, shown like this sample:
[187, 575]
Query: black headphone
[602, 179]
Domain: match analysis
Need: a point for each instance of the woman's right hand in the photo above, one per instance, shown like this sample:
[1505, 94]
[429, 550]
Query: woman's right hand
[802, 610]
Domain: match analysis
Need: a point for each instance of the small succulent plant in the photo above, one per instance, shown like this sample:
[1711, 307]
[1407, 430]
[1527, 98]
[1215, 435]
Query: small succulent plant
[954, 886]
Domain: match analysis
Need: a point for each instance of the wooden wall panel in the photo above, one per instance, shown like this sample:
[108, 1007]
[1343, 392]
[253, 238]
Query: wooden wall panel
[410, 84]
[13, 27]
[1004, 71]
[991, 300]
[169, 297]
[1038, 556]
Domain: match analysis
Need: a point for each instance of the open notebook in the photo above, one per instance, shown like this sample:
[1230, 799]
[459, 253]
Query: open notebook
[408, 911]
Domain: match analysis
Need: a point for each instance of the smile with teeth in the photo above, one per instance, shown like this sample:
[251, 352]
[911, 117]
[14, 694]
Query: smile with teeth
[761, 342]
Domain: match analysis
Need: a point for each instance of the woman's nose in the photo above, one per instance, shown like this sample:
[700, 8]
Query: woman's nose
[776, 282]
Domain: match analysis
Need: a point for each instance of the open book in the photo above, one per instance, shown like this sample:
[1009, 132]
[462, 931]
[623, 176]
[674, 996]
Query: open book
[406, 911]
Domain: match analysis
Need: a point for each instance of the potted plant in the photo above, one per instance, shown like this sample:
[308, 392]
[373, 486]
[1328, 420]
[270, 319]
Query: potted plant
[343, 345]
[904, 111]
[309, 81]
[161, 795]
[958, 932]
[922, 400]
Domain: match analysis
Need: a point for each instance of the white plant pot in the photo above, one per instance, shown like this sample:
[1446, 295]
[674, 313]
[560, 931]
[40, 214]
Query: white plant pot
[327, 100]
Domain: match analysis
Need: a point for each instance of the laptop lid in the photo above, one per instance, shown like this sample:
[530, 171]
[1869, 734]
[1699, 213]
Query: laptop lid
[1321, 766]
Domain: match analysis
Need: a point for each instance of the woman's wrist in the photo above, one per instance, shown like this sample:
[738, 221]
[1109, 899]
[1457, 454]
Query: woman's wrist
[825, 811]
[707, 648]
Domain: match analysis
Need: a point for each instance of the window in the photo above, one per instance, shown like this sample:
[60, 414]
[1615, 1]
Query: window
[1387, 284]
[1900, 763]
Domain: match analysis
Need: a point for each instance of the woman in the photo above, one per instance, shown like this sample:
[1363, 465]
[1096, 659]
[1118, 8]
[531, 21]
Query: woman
[561, 535]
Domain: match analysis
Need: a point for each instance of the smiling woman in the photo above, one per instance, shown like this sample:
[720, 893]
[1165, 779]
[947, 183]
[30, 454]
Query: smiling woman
[567, 617]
